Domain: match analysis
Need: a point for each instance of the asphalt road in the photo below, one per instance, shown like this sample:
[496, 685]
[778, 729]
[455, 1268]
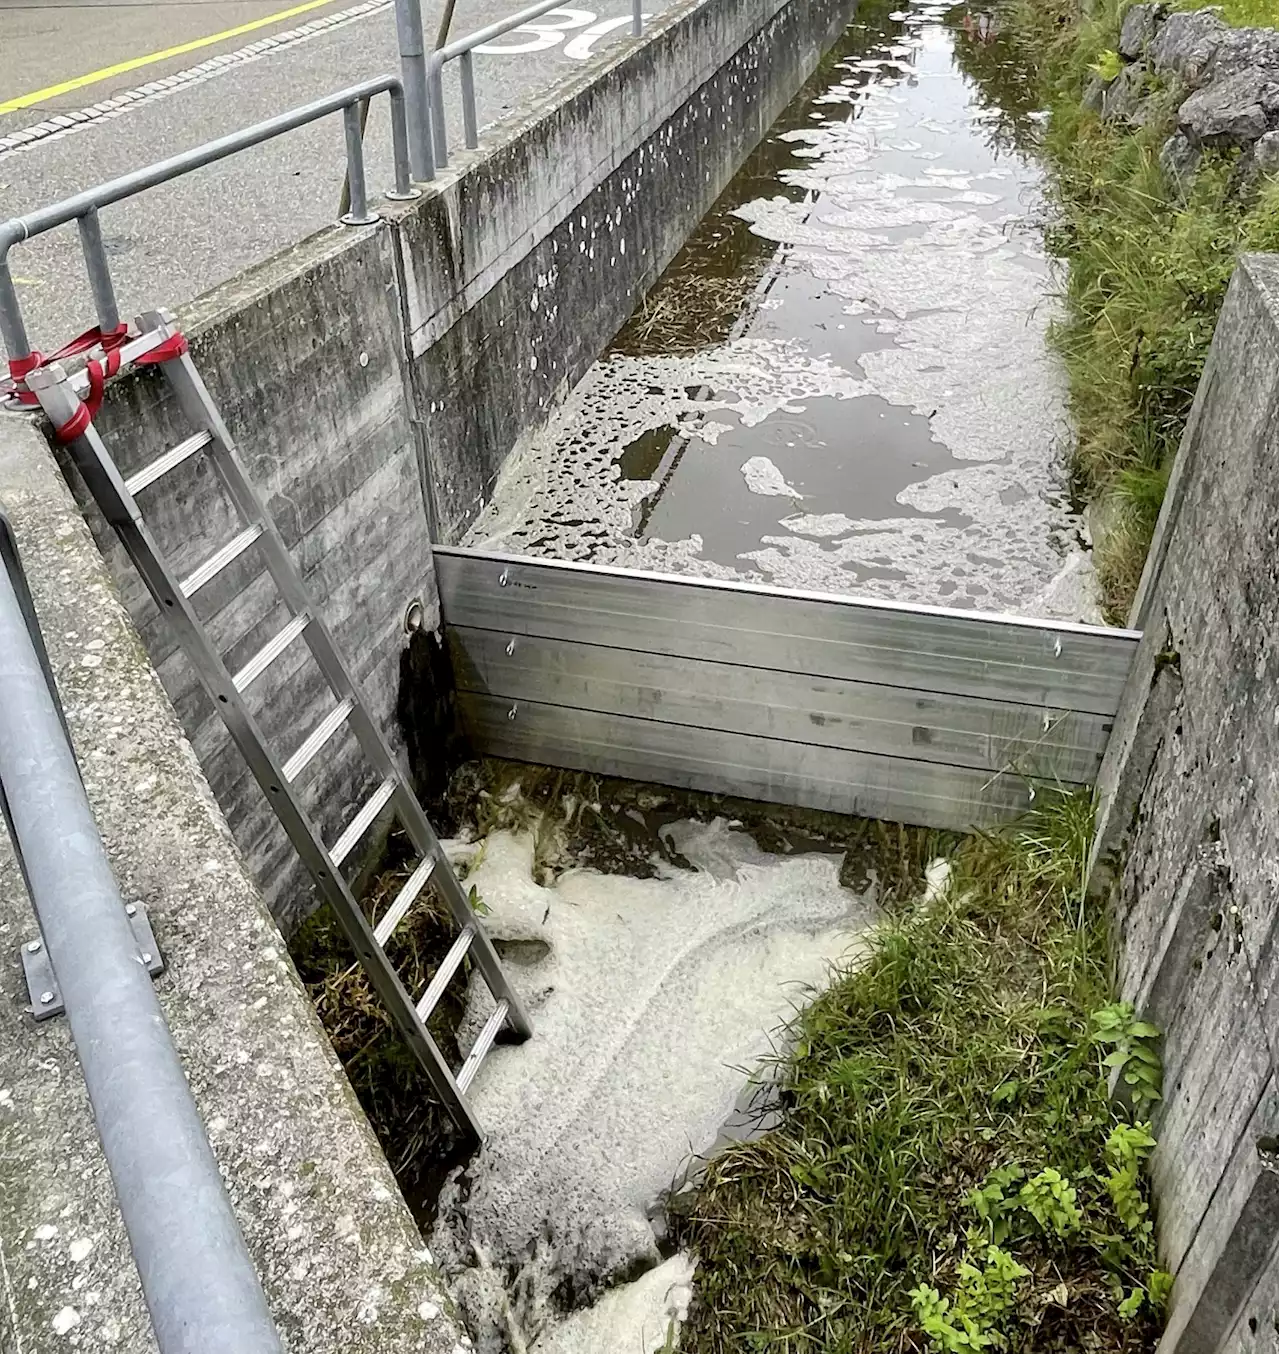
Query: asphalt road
[106, 63]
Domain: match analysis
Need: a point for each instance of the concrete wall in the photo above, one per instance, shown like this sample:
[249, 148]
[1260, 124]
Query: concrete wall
[304, 358]
[376, 379]
[1188, 837]
[523, 265]
[340, 1257]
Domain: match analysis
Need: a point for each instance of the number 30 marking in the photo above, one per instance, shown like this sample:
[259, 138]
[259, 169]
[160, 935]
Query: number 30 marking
[550, 29]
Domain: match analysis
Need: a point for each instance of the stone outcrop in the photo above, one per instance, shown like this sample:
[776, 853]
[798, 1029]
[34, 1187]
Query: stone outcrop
[1227, 77]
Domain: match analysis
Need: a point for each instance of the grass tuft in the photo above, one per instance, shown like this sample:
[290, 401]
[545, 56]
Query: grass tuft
[959, 1061]
[1145, 263]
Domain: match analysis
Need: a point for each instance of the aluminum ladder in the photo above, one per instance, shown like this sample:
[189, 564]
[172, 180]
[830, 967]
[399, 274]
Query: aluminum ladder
[161, 343]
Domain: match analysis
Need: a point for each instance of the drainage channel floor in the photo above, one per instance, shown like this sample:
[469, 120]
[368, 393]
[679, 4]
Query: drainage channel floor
[842, 382]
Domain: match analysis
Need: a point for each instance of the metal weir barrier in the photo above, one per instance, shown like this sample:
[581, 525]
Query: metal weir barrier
[199, 1283]
[83, 208]
[942, 718]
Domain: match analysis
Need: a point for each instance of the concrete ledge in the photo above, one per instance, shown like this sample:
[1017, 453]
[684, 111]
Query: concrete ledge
[341, 1259]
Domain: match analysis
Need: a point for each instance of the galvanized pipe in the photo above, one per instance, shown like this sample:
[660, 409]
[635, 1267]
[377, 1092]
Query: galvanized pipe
[358, 211]
[413, 76]
[400, 148]
[199, 1283]
[139, 180]
[461, 47]
[637, 19]
[466, 79]
[99, 270]
[12, 329]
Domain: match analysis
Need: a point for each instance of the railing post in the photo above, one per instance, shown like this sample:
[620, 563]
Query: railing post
[95, 260]
[359, 214]
[199, 1283]
[637, 18]
[413, 75]
[435, 87]
[404, 188]
[466, 77]
[12, 329]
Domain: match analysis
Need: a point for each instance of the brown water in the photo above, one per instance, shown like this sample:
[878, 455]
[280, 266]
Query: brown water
[841, 383]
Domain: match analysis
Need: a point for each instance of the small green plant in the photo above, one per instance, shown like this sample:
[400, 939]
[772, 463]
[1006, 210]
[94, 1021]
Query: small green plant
[1153, 1294]
[1050, 1198]
[984, 1296]
[1127, 1148]
[1134, 1054]
[994, 1204]
[1108, 65]
[947, 1328]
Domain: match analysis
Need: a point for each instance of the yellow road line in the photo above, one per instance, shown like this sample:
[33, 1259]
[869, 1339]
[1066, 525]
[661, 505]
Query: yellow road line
[137, 62]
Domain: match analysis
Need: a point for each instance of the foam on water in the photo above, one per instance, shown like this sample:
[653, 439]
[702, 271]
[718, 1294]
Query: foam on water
[651, 998]
[927, 293]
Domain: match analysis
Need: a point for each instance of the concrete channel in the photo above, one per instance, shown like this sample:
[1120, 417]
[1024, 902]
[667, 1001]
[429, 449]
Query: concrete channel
[753, 302]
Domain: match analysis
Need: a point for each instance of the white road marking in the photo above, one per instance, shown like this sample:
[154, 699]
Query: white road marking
[544, 36]
[63, 124]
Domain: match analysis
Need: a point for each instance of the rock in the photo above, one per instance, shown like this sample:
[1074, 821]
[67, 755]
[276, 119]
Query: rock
[1240, 48]
[1230, 112]
[1095, 94]
[1262, 158]
[1187, 44]
[1138, 29]
[1265, 156]
[1179, 158]
[1125, 94]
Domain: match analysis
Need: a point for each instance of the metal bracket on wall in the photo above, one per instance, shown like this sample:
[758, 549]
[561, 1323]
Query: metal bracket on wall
[42, 986]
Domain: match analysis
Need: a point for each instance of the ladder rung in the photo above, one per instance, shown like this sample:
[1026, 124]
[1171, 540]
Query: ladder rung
[404, 901]
[215, 564]
[482, 1046]
[270, 651]
[441, 977]
[361, 823]
[163, 464]
[317, 738]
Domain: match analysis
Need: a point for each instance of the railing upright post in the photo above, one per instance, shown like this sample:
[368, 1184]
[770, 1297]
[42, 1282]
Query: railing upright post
[466, 78]
[637, 18]
[358, 214]
[413, 75]
[95, 261]
[12, 329]
[435, 86]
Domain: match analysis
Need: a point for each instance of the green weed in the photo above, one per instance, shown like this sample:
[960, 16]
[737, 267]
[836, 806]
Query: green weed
[940, 1179]
[1145, 262]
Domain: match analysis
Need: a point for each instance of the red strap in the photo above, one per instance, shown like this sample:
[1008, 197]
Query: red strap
[22, 367]
[87, 409]
[174, 346]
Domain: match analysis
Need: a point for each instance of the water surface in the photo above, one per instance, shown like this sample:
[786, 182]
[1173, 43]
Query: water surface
[841, 383]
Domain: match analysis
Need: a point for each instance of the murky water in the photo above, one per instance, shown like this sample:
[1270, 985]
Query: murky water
[842, 382]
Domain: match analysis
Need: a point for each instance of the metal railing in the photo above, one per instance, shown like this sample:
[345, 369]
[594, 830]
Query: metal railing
[83, 208]
[199, 1283]
[460, 49]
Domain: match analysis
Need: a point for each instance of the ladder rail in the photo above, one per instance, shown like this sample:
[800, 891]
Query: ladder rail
[108, 489]
[198, 406]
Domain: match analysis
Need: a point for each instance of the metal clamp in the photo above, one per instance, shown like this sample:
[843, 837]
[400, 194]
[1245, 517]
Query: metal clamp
[42, 986]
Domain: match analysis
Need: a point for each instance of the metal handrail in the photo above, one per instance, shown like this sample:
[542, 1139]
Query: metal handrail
[200, 1286]
[460, 49]
[83, 207]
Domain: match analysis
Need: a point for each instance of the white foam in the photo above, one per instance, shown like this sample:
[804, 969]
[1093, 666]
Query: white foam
[651, 999]
[763, 477]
